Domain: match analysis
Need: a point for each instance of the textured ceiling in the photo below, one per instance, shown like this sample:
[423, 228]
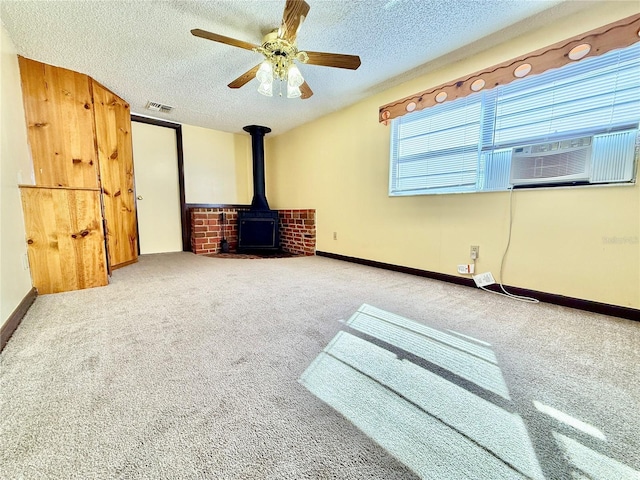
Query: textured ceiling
[143, 50]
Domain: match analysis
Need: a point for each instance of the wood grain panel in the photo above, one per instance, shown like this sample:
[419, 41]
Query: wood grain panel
[60, 125]
[65, 240]
[295, 11]
[234, 42]
[245, 77]
[337, 60]
[115, 156]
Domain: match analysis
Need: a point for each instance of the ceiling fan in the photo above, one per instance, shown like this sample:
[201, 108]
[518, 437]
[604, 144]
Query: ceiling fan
[280, 50]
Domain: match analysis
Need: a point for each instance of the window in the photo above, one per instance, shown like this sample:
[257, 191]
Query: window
[583, 116]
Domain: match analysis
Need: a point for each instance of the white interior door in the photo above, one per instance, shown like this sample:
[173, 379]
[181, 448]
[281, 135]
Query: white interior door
[155, 160]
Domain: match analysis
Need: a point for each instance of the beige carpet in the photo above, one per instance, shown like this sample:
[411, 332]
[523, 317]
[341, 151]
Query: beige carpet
[312, 368]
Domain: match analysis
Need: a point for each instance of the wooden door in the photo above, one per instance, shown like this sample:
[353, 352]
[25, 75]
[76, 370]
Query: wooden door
[60, 125]
[113, 137]
[65, 239]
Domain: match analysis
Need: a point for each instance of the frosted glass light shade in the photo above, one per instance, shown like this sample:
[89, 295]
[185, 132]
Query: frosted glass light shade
[293, 92]
[294, 77]
[265, 73]
[266, 89]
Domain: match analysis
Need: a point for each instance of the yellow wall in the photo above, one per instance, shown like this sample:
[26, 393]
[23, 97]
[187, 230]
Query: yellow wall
[216, 166]
[15, 167]
[562, 238]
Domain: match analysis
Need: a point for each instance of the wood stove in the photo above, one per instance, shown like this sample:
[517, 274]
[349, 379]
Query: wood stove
[258, 227]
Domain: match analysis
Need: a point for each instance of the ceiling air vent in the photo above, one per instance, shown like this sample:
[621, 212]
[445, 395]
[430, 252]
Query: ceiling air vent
[159, 107]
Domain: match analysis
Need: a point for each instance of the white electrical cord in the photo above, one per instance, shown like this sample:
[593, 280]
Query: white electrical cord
[504, 255]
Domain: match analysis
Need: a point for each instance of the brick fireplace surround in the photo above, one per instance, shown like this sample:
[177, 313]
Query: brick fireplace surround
[297, 230]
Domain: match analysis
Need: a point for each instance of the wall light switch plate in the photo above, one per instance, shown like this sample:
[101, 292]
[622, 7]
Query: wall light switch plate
[484, 279]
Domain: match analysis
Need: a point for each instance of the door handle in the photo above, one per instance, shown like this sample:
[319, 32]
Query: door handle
[139, 197]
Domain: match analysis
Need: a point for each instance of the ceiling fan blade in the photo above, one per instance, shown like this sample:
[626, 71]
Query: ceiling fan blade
[306, 91]
[337, 60]
[244, 78]
[222, 39]
[295, 11]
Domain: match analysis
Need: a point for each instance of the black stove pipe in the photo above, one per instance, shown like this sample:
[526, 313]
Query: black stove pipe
[257, 132]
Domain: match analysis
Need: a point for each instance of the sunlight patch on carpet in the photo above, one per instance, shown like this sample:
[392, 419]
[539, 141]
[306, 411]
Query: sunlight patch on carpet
[593, 464]
[470, 361]
[569, 420]
[435, 427]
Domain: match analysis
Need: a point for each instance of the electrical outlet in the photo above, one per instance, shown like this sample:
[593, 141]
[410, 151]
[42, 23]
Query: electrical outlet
[470, 268]
[335, 235]
[484, 279]
[475, 252]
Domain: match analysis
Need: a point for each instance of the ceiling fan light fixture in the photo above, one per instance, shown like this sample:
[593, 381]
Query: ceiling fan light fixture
[280, 51]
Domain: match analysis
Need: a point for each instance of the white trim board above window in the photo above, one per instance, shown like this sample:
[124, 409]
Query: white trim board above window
[577, 124]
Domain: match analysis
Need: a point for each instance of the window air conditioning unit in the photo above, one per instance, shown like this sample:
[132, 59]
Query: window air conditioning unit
[562, 161]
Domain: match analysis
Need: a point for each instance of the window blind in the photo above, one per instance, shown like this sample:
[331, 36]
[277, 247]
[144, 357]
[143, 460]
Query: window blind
[465, 145]
[436, 149]
[595, 95]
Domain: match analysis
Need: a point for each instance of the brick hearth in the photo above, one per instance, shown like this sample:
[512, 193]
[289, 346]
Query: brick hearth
[297, 230]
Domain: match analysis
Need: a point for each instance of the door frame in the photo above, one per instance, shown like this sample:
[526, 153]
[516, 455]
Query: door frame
[186, 241]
